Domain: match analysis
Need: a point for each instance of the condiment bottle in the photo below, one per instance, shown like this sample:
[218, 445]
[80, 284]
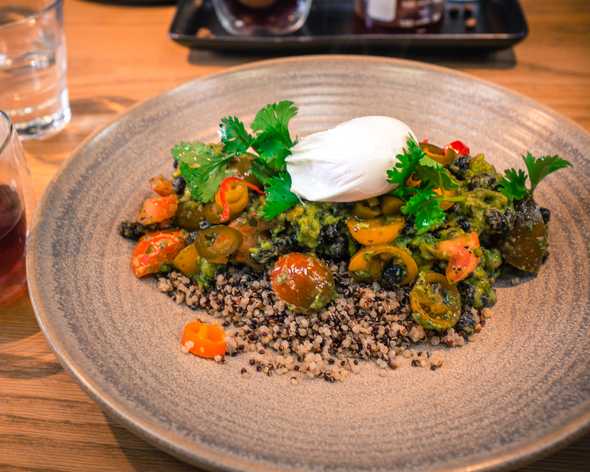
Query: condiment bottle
[400, 13]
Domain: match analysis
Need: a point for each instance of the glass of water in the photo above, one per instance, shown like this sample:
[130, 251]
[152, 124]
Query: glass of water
[33, 89]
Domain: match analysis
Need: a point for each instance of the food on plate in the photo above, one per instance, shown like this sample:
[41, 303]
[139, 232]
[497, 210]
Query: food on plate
[357, 243]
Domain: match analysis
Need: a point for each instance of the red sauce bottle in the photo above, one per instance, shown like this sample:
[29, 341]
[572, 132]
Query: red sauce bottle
[400, 13]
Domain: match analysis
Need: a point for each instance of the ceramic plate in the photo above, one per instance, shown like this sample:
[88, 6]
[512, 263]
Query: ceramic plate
[519, 391]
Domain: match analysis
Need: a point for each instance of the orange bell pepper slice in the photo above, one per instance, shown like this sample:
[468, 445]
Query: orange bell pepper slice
[203, 340]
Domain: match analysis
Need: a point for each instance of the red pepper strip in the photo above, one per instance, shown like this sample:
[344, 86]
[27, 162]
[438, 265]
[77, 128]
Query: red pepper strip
[459, 147]
[224, 187]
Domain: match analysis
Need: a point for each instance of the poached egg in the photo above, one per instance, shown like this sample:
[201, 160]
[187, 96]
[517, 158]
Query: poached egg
[349, 162]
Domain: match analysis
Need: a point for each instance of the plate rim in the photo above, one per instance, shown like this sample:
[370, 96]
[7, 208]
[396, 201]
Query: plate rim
[194, 452]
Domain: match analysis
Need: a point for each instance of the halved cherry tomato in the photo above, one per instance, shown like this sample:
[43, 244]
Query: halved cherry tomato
[154, 250]
[217, 243]
[442, 156]
[187, 260]
[161, 186]
[459, 147]
[435, 302]
[249, 240]
[232, 196]
[460, 252]
[158, 209]
[203, 340]
[368, 263]
[302, 280]
[375, 231]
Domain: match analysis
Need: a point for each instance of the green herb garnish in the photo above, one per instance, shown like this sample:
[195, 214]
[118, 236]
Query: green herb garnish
[427, 174]
[202, 167]
[513, 184]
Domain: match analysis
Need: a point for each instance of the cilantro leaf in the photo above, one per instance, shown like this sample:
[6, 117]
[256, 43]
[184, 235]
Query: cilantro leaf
[234, 136]
[273, 142]
[540, 168]
[279, 197]
[434, 174]
[272, 151]
[202, 169]
[513, 185]
[192, 153]
[426, 209]
[274, 118]
[406, 163]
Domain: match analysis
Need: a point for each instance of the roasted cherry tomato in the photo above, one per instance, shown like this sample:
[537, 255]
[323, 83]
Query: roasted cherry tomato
[249, 240]
[154, 250]
[526, 245]
[435, 302]
[187, 260]
[232, 196]
[442, 156]
[368, 263]
[161, 186]
[461, 254]
[303, 281]
[203, 340]
[158, 210]
[217, 243]
[376, 230]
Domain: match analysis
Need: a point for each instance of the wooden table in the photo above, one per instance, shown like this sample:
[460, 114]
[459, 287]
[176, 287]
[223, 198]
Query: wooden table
[120, 55]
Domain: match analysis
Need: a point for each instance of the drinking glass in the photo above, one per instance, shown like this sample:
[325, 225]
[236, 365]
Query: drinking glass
[262, 17]
[33, 66]
[13, 226]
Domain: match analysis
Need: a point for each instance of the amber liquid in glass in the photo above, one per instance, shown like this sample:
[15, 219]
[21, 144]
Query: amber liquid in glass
[13, 235]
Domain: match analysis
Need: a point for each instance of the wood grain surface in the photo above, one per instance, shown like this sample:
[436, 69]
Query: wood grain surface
[120, 55]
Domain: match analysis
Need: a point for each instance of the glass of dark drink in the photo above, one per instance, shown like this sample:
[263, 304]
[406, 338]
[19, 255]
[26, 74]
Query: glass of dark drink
[262, 17]
[13, 225]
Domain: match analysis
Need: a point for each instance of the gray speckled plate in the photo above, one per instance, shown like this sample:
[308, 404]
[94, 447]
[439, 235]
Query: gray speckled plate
[520, 390]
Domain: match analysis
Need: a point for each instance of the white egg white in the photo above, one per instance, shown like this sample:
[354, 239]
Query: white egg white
[349, 162]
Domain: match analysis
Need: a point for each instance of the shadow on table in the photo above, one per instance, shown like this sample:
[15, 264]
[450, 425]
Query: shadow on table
[18, 323]
[141, 455]
[504, 59]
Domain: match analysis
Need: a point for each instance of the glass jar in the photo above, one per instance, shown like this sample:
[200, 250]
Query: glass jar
[262, 17]
[400, 13]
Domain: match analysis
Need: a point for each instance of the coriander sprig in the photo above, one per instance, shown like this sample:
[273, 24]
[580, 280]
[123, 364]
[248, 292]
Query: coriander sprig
[204, 166]
[415, 176]
[513, 184]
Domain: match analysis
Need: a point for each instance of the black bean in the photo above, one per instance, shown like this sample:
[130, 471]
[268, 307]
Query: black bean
[179, 184]
[464, 224]
[546, 214]
[460, 166]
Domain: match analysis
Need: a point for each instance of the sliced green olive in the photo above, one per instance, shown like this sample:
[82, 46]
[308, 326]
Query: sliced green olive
[435, 302]
[217, 243]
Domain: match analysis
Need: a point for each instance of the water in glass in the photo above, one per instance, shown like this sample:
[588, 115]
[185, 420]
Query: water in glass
[33, 66]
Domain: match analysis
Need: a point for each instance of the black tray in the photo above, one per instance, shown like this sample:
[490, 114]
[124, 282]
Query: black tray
[332, 25]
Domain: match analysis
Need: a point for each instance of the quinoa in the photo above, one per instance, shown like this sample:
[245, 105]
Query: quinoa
[364, 324]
